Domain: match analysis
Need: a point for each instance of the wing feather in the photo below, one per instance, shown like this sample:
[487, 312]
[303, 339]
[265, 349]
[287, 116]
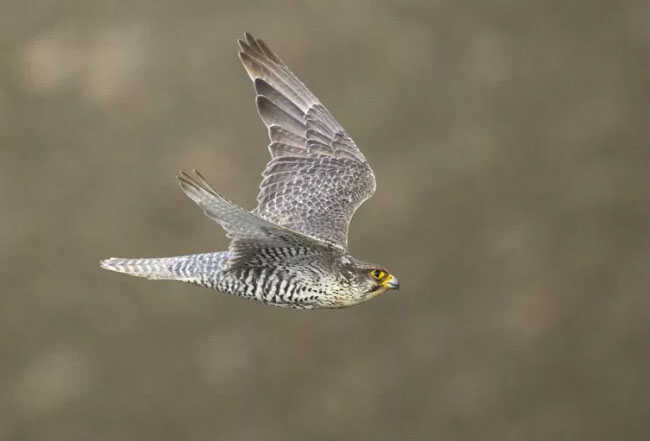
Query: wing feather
[317, 176]
[278, 134]
[273, 115]
[247, 230]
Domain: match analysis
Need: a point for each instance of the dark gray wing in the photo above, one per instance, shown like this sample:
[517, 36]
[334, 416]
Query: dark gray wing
[317, 176]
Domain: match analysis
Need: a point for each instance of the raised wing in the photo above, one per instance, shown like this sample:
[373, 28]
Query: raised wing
[317, 176]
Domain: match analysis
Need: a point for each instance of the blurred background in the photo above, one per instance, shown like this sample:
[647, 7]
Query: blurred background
[510, 144]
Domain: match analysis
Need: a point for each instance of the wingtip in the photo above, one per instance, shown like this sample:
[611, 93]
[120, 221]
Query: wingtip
[243, 46]
[249, 44]
[187, 185]
[182, 176]
[249, 38]
[196, 185]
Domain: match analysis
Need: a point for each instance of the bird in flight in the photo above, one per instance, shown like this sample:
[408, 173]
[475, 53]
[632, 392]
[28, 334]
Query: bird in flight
[291, 251]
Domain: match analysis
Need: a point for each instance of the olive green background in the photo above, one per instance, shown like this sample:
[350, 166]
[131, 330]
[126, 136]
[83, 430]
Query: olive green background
[511, 150]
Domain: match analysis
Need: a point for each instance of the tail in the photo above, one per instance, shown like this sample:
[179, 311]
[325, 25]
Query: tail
[195, 268]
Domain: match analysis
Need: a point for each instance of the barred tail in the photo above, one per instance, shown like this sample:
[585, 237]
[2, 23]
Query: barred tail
[195, 268]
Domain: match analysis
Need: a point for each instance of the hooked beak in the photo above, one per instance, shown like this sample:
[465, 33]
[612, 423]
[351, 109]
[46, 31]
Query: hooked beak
[391, 282]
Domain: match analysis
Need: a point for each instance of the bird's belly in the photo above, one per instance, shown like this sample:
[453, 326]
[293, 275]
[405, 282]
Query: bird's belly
[281, 292]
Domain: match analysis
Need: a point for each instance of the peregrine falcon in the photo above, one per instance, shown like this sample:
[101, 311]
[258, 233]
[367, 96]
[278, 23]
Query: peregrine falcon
[291, 251]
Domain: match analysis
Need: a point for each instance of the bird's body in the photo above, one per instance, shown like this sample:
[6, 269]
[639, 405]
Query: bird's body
[291, 251]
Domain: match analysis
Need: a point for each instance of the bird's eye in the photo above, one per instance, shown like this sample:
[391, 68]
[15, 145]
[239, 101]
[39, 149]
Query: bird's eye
[377, 274]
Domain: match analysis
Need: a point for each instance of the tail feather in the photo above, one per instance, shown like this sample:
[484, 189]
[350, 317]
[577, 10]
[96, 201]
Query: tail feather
[192, 268]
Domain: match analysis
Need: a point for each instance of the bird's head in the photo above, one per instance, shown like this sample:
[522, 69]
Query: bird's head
[367, 280]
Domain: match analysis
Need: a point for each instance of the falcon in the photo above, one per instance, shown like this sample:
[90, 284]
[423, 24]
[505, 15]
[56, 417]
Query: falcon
[292, 250]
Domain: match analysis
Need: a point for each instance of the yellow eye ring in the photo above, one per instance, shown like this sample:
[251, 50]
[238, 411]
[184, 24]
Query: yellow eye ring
[378, 274]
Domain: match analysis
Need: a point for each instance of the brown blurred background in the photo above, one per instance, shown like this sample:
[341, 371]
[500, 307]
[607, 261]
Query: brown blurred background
[510, 144]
